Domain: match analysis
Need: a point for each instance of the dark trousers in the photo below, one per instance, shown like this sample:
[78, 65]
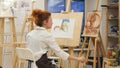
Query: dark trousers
[43, 62]
[0, 66]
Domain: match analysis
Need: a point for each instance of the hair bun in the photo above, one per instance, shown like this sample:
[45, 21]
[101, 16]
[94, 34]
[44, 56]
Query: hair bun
[39, 16]
[36, 12]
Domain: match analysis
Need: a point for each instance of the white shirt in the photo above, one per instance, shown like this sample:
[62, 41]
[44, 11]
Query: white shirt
[40, 41]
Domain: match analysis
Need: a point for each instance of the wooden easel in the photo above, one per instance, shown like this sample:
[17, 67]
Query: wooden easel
[97, 49]
[71, 46]
[21, 36]
[70, 49]
[75, 40]
[96, 41]
[27, 19]
[12, 33]
[31, 27]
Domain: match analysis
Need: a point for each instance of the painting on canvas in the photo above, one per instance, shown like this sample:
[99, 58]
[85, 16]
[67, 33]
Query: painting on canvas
[63, 28]
[92, 24]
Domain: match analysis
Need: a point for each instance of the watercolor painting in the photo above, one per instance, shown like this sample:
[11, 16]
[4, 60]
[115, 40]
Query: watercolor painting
[63, 28]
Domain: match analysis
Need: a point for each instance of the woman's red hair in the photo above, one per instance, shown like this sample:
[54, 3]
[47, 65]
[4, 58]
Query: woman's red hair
[39, 16]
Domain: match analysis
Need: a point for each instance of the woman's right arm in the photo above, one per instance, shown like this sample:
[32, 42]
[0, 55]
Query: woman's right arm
[79, 59]
[59, 52]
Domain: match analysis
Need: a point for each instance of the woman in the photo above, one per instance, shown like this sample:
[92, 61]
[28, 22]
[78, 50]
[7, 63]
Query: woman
[40, 41]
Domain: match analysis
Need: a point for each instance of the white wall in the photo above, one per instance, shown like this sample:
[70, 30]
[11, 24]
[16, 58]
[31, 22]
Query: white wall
[40, 4]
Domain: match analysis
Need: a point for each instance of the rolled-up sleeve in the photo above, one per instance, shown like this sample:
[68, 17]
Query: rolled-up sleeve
[50, 40]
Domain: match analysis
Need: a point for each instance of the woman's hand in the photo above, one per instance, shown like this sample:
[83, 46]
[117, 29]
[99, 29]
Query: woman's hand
[82, 59]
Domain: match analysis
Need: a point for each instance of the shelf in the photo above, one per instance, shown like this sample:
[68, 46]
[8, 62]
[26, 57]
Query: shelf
[107, 59]
[106, 65]
[110, 36]
[116, 5]
[113, 6]
[110, 48]
[113, 19]
[112, 27]
[76, 49]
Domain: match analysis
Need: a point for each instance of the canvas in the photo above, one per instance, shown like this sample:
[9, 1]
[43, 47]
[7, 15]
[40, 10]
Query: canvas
[67, 28]
[92, 24]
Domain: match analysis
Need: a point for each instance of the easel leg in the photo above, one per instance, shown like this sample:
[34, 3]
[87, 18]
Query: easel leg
[71, 53]
[15, 61]
[1, 38]
[98, 53]
[61, 62]
[15, 58]
[83, 45]
[1, 49]
[23, 28]
[31, 26]
[13, 39]
[88, 49]
[95, 49]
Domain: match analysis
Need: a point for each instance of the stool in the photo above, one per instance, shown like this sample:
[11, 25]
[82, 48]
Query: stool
[25, 54]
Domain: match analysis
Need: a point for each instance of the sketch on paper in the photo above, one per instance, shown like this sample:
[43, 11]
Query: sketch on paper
[92, 24]
[21, 8]
[63, 28]
[5, 7]
[20, 4]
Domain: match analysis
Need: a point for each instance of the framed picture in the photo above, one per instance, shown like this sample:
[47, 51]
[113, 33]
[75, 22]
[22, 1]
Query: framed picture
[78, 5]
[55, 6]
[63, 28]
